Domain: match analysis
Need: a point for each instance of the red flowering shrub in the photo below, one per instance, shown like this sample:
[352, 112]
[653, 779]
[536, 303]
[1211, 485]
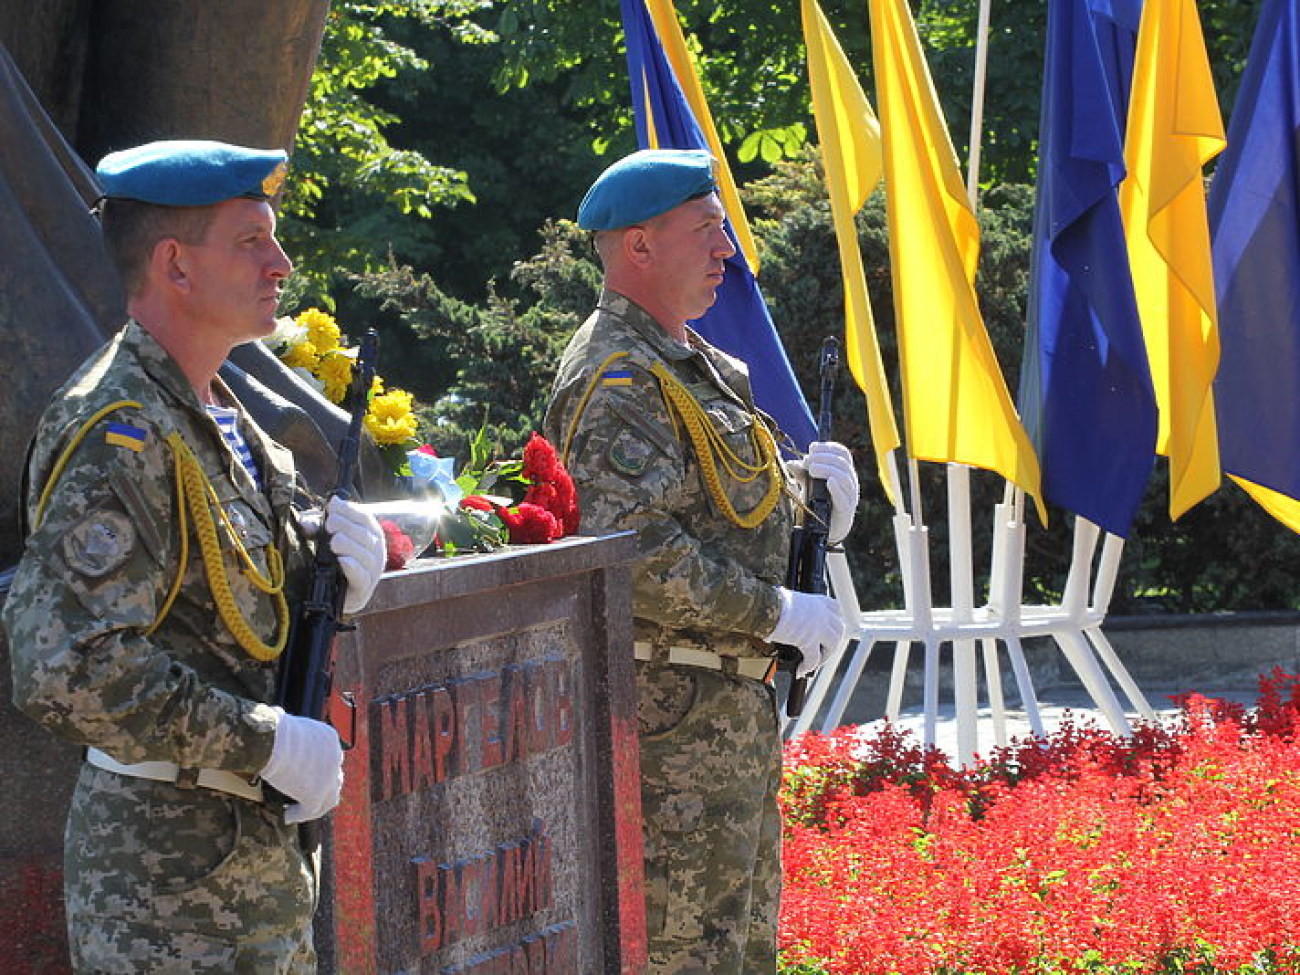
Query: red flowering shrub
[1176, 850]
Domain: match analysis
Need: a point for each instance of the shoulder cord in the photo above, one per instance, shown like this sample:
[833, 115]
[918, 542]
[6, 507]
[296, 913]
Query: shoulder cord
[64, 457]
[686, 412]
[710, 448]
[193, 489]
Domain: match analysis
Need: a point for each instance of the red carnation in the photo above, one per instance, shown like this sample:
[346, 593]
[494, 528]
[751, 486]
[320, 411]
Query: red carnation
[567, 502]
[542, 494]
[397, 546]
[552, 487]
[477, 502]
[530, 524]
[540, 462]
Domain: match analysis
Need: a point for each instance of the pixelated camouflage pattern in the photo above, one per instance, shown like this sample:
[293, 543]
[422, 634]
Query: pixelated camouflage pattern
[710, 742]
[710, 770]
[159, 879]
[93, 577]
[701, 579]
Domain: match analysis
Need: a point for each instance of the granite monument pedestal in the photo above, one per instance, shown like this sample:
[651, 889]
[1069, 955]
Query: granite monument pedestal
[490, 820]
[491, 816]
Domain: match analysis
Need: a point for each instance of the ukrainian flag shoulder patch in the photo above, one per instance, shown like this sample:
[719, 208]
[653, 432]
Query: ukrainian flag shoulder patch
[125, 435]
[616, 377]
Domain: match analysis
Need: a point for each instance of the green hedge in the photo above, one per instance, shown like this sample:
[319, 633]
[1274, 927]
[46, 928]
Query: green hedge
[497, 360]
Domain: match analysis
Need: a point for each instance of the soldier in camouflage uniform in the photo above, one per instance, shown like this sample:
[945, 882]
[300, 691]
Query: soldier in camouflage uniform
[151, 602]
[660, 432]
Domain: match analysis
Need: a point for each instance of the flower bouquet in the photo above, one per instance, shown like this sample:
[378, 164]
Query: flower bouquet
[312, 345]
[443, 513]
[482, 513]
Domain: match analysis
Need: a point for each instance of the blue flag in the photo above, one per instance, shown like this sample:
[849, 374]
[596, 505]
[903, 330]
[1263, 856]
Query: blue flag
[739, 322]
[1255, 228]
[1086, 396]
[1116, 24]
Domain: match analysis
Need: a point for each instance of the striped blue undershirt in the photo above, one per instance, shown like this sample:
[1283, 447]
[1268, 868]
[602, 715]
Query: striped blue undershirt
[228, 422]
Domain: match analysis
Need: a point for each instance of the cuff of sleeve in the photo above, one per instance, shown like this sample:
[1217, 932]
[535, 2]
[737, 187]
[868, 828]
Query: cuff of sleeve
[256, 737]
[767, 612]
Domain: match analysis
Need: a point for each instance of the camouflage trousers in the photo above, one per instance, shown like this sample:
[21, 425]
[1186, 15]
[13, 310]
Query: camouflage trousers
[710, 770]
[159, 879]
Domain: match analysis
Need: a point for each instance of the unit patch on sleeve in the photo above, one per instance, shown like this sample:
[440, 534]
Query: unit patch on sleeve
[98, 544]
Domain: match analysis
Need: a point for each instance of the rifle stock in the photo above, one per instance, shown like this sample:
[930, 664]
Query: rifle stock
[806, 569]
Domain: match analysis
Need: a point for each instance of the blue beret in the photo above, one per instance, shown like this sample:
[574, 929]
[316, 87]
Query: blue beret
[644, 185]
[191, 173]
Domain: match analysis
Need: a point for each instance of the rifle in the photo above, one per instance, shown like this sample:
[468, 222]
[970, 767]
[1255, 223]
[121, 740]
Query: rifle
[806, 570]
[307, 666]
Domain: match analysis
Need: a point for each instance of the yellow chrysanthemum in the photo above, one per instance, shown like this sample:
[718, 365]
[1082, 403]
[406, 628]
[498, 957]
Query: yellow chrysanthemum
[335, 371]
[300, 355]
[390, 420]
[322, 331]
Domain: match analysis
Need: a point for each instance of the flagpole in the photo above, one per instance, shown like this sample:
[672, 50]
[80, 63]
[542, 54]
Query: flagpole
[977, 102]
[1008, 531]
[961, 570]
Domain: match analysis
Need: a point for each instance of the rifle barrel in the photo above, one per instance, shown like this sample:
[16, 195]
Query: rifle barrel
[807, 565]
[305, 676]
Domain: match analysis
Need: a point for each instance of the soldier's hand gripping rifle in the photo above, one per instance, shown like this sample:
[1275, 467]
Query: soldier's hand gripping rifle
[306, 669]
[806, 571]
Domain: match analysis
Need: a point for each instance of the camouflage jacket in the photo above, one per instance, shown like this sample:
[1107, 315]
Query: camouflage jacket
[103, 556]
[702, 580]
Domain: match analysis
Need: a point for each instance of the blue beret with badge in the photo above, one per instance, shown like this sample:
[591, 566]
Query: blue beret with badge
[645, 184]
[191, 173]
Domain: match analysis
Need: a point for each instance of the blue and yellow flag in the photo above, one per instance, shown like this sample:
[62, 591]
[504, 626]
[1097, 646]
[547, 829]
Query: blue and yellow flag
[1255, 227]
[1085, 386]
[739, 322]
[667, 33]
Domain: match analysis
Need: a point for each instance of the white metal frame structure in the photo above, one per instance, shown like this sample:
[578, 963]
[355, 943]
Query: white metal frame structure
[1003, 622]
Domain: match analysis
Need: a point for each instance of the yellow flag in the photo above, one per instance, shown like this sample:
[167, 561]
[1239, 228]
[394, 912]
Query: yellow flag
[670, 34]
[1282, 507]
[1174, 129]
[851, 154]
[956, 405]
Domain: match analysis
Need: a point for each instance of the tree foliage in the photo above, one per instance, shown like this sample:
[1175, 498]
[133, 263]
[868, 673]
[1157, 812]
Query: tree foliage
[503, 351]
[750, 57]
[517, 122]
[491, 116]
[351, 185]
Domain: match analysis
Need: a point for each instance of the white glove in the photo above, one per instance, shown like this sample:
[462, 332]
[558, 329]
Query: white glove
[358, 541]
[833, 463]
[306, 764]
[811, 623]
